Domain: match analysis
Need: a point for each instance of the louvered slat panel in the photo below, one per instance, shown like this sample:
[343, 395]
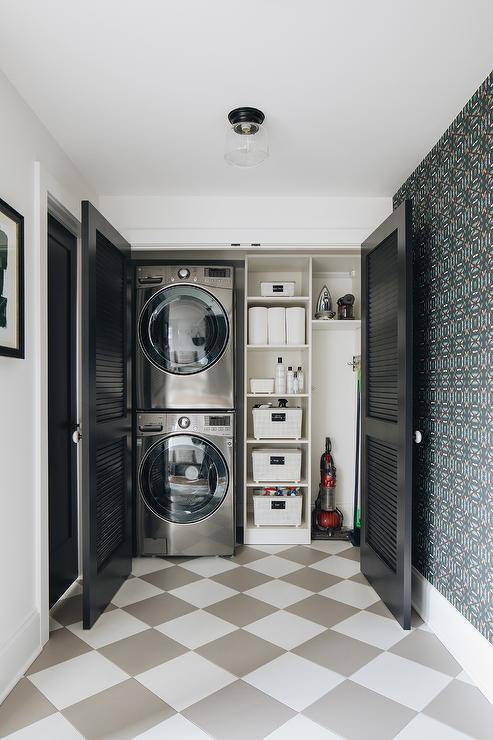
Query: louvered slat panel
[110, 482]
[382, 363]
[381, 514]
[110, 344]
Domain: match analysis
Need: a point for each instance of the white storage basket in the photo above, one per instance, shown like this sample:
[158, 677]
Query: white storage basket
[262, 385]
[277, 511]
[277, 423]
[284, 287]
[275, 465]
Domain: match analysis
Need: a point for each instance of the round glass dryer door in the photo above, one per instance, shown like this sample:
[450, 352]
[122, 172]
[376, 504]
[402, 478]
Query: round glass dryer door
[183, 329]
[183, 479]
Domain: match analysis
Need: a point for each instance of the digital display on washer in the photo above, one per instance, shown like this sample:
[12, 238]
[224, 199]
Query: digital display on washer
[218, 421]
[217, 272]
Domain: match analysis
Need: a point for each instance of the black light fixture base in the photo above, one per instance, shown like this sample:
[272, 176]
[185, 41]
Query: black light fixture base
[246, 115]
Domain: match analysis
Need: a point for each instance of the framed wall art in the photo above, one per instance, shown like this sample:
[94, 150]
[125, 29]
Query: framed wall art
[11, 282]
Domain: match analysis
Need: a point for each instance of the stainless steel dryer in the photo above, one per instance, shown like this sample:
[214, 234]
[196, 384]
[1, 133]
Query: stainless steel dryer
[185, 502]
[184, 352]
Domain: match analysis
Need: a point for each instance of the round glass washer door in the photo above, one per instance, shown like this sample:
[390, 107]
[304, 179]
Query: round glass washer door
[183, 329]
[183, 479]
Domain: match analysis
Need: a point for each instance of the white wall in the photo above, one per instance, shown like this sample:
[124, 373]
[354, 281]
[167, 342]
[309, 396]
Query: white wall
[25, 141]
[155, 221]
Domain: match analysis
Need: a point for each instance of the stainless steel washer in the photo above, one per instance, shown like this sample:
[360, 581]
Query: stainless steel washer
[184, 352]
[185, 502]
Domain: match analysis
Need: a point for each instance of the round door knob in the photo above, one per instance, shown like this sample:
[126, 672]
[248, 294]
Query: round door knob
[183, 273]
[183, 422]
[418, 437]
[76, 437]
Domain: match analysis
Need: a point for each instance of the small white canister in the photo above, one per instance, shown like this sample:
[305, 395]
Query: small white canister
[257, 325]
[295, 325]
[277, 325]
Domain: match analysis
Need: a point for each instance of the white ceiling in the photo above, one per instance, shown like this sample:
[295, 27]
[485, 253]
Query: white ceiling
[355, 92]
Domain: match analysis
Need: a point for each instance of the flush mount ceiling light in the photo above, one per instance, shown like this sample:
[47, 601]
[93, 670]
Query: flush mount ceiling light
[246, 139]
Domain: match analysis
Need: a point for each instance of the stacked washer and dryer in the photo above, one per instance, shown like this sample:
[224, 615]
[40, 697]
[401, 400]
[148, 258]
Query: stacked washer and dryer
[185, 422]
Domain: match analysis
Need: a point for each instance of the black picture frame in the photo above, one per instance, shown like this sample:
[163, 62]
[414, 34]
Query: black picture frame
[10, 213]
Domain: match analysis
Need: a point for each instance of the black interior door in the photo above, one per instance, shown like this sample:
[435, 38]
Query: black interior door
[386, 418]
[62, 408]
[106, 412]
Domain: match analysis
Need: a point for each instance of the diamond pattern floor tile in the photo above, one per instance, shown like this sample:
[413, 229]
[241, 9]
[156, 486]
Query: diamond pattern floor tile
[293, 680]
[196, 629]
[121, 711]
[278, 641]
[240, 652]
[239, 712]
[185, 680]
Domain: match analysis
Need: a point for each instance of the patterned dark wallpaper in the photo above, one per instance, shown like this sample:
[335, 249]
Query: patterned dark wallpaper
[452, 195]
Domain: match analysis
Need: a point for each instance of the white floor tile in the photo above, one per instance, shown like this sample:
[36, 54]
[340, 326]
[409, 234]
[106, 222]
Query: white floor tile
[352, 593]
[302, 727]
[185, 680]
[54, 727]
[294, 681]
[208, 567]
[203, 593]
[330, 546]
[143, 566]
[372, 628]
[423, 727]
[196, 629]
[279, 593]
[402, 680]
[110, 627]
[273, 566]
[73, 680]
[133, 590]
[284, 629]
[337, 566]
[176, 727]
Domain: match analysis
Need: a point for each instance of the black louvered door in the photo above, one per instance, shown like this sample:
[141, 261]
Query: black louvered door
[106, 412]
[386, 418]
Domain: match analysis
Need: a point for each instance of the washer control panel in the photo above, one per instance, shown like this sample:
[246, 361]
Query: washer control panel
[213, 276]
[220, 424]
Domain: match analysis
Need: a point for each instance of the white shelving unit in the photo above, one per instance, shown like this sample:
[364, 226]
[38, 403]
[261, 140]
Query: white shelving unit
[329, 396]
[259, 362]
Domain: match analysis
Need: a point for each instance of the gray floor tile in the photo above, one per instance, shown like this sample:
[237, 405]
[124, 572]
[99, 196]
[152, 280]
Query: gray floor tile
[303, 555]
[240, 652]
[337, 652]
[171, 578]
[241, 609]
[122, 712]
[425, 648]
[143, 651]
[322, 610]
[69, 611]
[313, 580]
[464, 708]
[351, 554]
[355, 712]
[359, 578]
[159, 609]
[245, 554]
[61, 646]
[380, 609]
[23, 706]
[239, 712]
[241, 579]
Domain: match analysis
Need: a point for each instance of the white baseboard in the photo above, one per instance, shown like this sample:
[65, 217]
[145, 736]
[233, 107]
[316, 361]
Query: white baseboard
[18, 653]
[462, 640]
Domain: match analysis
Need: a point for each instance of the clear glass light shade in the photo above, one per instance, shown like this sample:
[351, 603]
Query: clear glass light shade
[247, 144]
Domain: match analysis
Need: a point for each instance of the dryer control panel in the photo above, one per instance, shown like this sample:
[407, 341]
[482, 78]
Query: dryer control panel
[212, 276]
[216, 423]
